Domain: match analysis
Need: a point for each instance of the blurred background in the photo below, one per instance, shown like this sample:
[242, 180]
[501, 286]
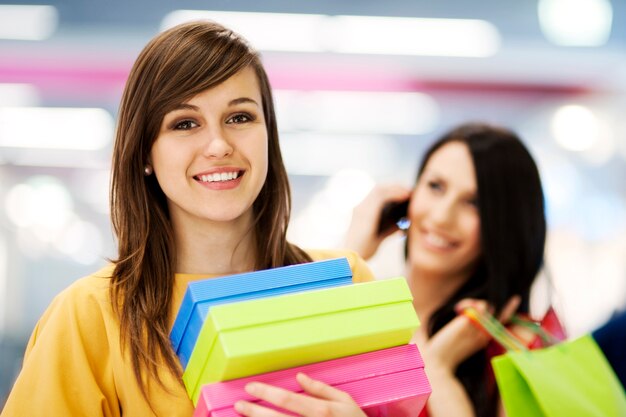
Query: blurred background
[362, 87]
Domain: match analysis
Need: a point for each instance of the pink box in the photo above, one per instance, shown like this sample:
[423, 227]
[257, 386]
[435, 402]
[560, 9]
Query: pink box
[385, 383]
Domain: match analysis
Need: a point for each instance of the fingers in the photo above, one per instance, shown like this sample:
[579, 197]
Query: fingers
[510, 308]
[469, 332]
[247, 408]
[320, 400]
[453, 343]
[363, 234]
[481, 306]
[389, 192]
[380, 195]
[282, 398]
[322, 390]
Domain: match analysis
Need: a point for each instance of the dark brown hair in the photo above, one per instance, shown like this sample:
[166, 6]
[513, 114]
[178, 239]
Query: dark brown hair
[512, 234]
[175, 66]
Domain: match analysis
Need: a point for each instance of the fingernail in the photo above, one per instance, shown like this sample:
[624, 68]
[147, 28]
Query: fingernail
[240, 406]
[252, 388]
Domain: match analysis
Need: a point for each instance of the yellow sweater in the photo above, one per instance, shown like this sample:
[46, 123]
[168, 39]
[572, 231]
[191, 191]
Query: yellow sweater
[74, 364]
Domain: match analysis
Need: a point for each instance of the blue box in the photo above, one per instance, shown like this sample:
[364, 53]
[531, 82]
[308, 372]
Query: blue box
[203, 294]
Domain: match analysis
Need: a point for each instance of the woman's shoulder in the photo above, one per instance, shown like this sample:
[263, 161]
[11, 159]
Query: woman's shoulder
[78, 314]
[360, 270]
[84, 298]
[93, 286]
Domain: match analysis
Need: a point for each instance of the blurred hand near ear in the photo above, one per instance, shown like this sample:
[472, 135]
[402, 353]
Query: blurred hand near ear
[362, 236]
[323, 400]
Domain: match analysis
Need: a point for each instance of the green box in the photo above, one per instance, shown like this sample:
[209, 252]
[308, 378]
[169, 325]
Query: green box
[256, 336]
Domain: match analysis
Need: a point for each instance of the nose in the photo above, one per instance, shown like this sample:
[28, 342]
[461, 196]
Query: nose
[442, 212]
[216, 144]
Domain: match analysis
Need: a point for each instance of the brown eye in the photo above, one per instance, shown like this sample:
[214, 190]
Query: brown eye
[240, 119]
[185, 125]
[435, 185]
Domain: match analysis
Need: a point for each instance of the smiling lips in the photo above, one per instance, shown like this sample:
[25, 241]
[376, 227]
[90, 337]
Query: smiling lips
[218, 176]
[438, 242]
[224, 180]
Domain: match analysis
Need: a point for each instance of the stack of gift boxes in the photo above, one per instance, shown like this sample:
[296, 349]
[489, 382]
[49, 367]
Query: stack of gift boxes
[269, 325]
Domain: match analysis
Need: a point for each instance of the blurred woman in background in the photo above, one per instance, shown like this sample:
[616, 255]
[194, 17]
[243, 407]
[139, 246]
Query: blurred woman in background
[476, 238]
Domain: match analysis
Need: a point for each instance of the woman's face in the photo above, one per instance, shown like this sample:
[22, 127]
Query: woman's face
[211, 154]
[445, 226]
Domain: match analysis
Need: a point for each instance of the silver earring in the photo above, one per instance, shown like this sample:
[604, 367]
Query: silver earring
[147, 170]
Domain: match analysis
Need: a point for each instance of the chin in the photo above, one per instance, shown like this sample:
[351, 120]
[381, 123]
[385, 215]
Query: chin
[431, 264]
[229, 215]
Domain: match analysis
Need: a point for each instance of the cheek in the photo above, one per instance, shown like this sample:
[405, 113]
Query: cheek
[472, 231]
[417, 203]
[162, 153]
[262, 153]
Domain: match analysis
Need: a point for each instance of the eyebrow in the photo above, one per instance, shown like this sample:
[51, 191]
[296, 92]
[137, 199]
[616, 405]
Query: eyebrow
[234, 102]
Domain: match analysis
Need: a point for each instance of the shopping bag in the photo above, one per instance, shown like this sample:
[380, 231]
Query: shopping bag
[570, 379]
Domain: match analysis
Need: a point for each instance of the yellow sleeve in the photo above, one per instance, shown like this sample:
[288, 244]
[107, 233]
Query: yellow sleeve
[361, 272]
[67, 366]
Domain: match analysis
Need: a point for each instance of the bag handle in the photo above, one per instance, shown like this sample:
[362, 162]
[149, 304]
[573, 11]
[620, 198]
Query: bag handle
[547, 338]
[505, 338]
[495, 329]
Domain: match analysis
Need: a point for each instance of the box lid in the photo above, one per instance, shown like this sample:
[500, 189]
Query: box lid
[309, 303]
[201, 310]
[266, 282]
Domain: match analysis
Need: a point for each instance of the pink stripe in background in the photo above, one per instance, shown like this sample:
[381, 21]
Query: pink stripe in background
[92, 76]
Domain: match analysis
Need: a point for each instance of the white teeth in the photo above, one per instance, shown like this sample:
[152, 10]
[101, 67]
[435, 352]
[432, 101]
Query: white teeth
[218, 177]
[437, 241]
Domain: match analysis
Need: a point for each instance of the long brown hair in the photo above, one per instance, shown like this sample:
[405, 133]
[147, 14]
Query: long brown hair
[175, 66]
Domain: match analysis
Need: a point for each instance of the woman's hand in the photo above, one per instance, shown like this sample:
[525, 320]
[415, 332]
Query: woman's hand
[324, 400]
[446, 349]
[362, 236]
[460, 338]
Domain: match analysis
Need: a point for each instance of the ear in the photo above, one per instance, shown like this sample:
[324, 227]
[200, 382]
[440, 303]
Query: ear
[147, 166]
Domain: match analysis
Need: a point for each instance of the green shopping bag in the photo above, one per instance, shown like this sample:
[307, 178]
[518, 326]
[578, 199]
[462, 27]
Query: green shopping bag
[570, 379]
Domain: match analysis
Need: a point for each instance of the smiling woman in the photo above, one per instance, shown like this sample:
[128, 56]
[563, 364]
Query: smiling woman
[210, 157]
[476, 238]
[198, 190]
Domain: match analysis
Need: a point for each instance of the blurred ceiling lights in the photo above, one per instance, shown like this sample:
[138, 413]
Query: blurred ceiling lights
[42, 209]
[320, 154]
[576, 22]
[27, 22]
[394, 113]
[55, 128]
[577, 128]
[19, 95]
[354, 34]
[4, 278]
[324, 220]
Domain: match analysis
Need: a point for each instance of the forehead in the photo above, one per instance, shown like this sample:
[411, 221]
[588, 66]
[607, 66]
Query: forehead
[453, 163]
[244, 83]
